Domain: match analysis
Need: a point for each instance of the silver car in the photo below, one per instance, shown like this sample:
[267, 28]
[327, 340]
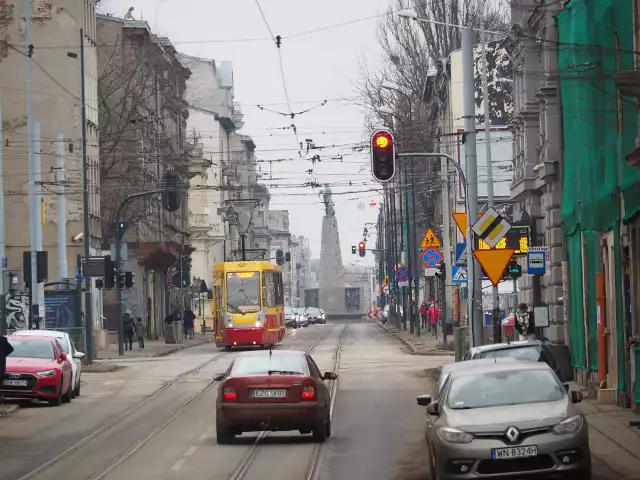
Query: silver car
[506, 419]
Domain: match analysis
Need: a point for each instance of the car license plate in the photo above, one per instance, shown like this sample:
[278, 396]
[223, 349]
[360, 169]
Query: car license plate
[514, 452]
[269, 393]
[14, 383]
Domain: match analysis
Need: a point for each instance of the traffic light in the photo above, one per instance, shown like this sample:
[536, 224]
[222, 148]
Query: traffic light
[121, 280]
[514, 270]
[287, 257]
[279, 257]
[109, 272]
[383, 156]
[128, 279]
[171, 195]
[442, 270]
[353, 249]
[362, 248]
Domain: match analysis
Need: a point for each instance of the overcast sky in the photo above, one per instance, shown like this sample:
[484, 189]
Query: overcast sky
[318, 65]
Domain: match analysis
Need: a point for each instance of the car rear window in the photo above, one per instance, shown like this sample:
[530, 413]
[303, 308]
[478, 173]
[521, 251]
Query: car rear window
[511, 387]
[32, 349]
[529, 353]
[262, 364]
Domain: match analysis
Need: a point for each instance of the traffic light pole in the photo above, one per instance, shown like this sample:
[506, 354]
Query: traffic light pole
[119, 233]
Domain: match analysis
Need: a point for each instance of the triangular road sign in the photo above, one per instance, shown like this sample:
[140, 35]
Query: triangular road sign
[430, 240]
[494, 262]
[461, 221]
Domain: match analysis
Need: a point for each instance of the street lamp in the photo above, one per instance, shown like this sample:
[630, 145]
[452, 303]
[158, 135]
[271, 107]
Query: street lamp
[412, 15]
[386, 111]
[408, 14]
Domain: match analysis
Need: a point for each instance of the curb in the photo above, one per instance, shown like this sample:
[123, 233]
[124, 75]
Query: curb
[178, 348]
[413, 349]
[8, 410]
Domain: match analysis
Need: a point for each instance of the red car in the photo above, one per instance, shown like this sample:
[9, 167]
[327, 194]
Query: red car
[37, 369]
[273, 390]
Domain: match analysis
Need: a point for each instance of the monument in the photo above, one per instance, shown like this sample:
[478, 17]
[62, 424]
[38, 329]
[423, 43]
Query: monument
[332, 279]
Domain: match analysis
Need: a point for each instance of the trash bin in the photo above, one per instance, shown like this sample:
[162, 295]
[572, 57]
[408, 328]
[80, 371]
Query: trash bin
[173, 333]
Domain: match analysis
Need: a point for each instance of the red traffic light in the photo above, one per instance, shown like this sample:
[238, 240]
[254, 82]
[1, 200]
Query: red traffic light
[383, 153]
[362, 245]
[382, 140]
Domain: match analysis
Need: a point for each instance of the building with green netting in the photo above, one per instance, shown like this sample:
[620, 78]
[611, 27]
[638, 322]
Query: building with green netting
[601, 196]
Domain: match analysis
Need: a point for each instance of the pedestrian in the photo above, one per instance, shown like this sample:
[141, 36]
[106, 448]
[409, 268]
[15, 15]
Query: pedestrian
[423, 314]
[434, 317]
[189, 322]
[5, 350]
[524, 323]
[129, 329]
[141, 330]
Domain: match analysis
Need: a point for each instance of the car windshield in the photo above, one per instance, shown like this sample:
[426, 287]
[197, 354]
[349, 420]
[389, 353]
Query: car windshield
[264, 364]
[530, 353]
[298, 310]
[511, 387]
[31, 349]
[288, 311]
[313, 311]
[243, 292]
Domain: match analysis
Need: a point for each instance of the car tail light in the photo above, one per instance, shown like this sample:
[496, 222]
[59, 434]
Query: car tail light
[308, 390]
[229, 394]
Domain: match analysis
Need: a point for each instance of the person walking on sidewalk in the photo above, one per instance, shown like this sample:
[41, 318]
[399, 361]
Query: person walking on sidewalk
[434, 317]
[141, 331]
[423, 314]
[129, 328]
[189, 322]
[524, 323]
[5, 350]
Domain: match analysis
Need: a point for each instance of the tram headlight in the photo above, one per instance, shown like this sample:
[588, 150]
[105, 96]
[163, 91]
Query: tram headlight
[258, 323]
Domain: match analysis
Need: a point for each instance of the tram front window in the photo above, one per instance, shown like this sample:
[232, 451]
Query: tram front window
[243, 292]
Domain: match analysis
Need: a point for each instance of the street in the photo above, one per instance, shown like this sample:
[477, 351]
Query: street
[155, 418]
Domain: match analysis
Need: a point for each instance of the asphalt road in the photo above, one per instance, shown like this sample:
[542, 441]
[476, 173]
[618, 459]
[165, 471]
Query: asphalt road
[156, 419]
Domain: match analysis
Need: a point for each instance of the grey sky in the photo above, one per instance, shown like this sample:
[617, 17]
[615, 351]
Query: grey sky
[318, 66]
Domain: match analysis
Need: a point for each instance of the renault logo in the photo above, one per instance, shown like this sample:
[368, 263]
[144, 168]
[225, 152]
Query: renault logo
[14, 376]
[512, 434]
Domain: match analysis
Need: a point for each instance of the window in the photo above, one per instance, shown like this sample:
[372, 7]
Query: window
[262, 364]
[32, 349]
[494, 389]
[528, 353]
[315, 371]
[243, 292]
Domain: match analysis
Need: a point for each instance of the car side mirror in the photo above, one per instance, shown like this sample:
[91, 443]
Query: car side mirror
[330, 376]
[433, 409]
[78, 355]
[63, 356]
[424, 400]
[218, 377]
[576, 397]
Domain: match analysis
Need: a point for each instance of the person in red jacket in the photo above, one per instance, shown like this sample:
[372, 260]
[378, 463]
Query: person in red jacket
[423, 315]
[434, 316]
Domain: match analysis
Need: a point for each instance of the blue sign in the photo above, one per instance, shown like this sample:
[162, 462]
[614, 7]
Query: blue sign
[461, 254]
[536, 262]
[402, 273]
[459, 275]
[431, 257]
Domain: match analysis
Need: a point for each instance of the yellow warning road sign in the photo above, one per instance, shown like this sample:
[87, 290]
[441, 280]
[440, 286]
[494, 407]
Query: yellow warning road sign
[430, 240]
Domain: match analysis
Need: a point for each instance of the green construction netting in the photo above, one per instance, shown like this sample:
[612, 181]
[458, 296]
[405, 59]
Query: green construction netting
[576, 308]
[595, 170]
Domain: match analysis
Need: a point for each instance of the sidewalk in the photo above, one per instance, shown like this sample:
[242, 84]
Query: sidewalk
[425, 344]
[152, 348]
[613, 442]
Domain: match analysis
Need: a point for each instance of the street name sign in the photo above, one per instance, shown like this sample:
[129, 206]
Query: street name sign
[430, 240]
[491, 227]
[494, 262]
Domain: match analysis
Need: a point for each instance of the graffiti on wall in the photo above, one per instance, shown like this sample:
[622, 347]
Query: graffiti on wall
[17, 309]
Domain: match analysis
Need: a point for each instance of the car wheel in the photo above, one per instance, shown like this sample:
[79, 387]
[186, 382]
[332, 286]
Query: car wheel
[320, 432]
[78, 387]
[328, 428]
[66, 398]
[227, 347]
[56, 402]
[224, 436]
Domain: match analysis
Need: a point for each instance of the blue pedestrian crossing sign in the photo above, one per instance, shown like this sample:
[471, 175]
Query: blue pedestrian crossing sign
[461, 254]
[459, 275]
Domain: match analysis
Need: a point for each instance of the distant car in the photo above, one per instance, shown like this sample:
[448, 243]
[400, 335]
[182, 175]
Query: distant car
[75, 357]
[530, 350]
[315, 315]
[37, 369]
[289, 317]
[278, 390]
[302, 320]
[506, 419]
[323, 316]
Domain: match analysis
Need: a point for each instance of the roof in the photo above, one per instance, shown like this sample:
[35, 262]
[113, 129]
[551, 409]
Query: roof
[506, 346]
[266, 353]
[41, 333]
[472, 364]
[497, 366]
[38, 338]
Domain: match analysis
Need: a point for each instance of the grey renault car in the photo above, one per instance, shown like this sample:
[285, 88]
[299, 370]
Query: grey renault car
[506, 420]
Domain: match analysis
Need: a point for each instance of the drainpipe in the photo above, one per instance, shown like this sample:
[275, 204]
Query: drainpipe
[601, 299]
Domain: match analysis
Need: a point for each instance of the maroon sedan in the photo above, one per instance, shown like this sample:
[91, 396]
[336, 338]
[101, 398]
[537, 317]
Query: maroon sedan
[273, 391]
[37, 369]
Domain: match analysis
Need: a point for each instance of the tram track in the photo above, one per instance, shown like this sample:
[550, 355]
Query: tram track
[106, 428]
[247, 461]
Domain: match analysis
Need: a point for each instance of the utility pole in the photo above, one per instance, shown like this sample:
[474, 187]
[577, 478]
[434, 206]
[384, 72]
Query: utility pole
[37, 143]
[487, 139]
[33, 207]
[2, 218]
[63, 266]
[406, 305]
[88, 306]
[446, 247]
[471, 161]
[413, 254]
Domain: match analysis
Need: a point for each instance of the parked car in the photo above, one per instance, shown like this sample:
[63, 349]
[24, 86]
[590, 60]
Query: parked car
[278, 390]
[506, 419]
[315, 315]
[302, 320]
[289, 317]
[68, 348]
[37, 369]
[530, 350]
